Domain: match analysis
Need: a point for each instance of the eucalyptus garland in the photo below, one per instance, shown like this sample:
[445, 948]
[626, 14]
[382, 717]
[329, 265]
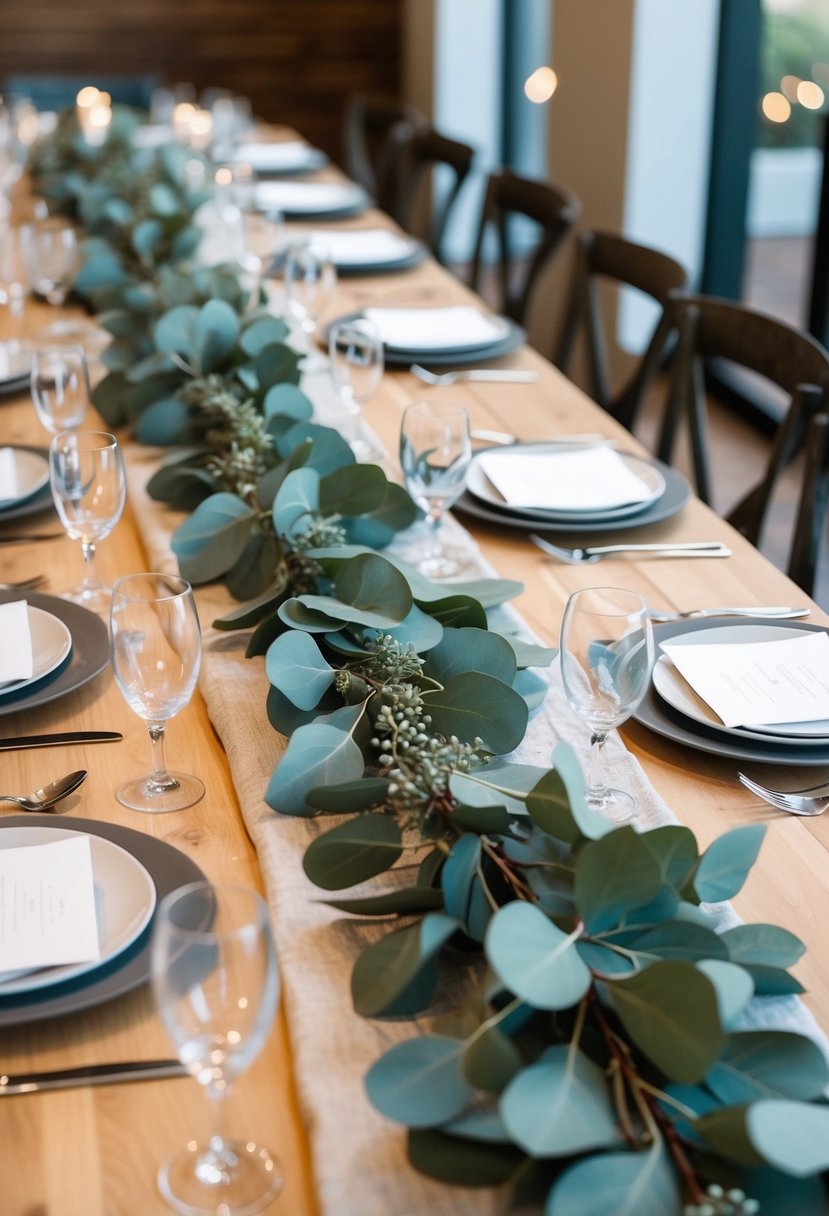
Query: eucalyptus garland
[602, 1063]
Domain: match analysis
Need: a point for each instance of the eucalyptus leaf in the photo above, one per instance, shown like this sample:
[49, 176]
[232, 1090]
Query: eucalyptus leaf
[461, 1161]
[724, 866]
[397, 974]
[250, 614]
[316, 755]
[617, 1184]
[733, 985]
[417, 630]
[675, 849]
[210, 540]
[767, 945]
[347, 796]
[296, 667]
[456, 611]
[466, 649]
[614, 875]
[296, 502]
[559, 1106]
[459, 875]
[535, 959]
[287, 401]
[419, 1082]
[216, 335]
[253, 571]
[299, 615]
[354, 489]
[404, 901]
[329, 451]
[758, 1064]
[491, 1060]
[263, 331]
[379, 526]
[175, 332]
[165, 422]
[474, 705]
[354, 851]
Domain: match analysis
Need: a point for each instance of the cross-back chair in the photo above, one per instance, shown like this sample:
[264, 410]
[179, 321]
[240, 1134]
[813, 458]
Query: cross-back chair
[368, 120]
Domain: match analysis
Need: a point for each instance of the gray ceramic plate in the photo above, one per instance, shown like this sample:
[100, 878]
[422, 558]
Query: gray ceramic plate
[462, 356]
[167, 867]
[42, 501]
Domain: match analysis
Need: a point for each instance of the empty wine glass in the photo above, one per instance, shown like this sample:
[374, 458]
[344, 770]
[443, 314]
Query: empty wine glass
[54, 259]
[216, 985]
[435, 451]
[310, 282]
[86, 471]
[15, 281]
[606, 658]
[155, 641]
[355, 351]
[60, 386]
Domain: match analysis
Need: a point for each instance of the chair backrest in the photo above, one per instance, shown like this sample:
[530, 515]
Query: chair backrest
[368, 120]
[609, 256]
[553, 208]
[410, 154]
[710, 328]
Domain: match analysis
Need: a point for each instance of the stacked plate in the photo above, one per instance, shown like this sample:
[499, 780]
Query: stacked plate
[15, 368]
[672, 708]
[24, 482]
[661, 492]
[361, 251]
[131, 871]
[280, 159]
[310, 200]
[448, 337]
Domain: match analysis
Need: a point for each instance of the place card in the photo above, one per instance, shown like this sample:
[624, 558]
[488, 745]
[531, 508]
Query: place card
[587, 479]
[47, 906]
[16, 659]
[9, 489]
[759, 683]
[435, 328]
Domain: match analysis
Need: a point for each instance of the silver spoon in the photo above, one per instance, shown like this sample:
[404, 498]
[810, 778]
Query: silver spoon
[48, 795]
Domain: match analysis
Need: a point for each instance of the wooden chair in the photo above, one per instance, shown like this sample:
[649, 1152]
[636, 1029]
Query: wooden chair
[606, 256]
[710, 328]
[553, 208]
[411, 153]
[368, 120]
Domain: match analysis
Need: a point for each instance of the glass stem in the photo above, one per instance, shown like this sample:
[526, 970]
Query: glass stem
[596, 787]
[434, 516]
[88, 550]
[159, 778]
[218, 1163]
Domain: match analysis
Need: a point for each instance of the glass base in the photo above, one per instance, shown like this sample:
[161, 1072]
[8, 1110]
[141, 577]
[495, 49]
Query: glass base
[145, 794]
[616, 805]
[97, 597]
[195, 1183]
[443, 563]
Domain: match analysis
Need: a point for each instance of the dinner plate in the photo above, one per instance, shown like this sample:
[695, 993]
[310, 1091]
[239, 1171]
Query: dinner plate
[277, 158]
[41, 500]
[89, 655]
[660, 717]
[124, 902]
[51, 643]
[15, 367]
[32, 469]
[478, 483]
[168, 869]
[412, 252]
[310, 200]
[670, 503]
[675, 689]
[513, 337]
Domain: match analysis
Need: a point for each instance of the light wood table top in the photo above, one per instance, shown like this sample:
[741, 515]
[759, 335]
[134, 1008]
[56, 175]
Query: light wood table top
[94, 1151]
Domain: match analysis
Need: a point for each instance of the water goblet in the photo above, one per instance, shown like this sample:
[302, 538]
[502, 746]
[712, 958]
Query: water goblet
[355, 351]
[15, 282]
[606, 658]
[60, 386]
[54, 254]
[310, 282]
[435, 451]
[155, 644]
[86, 471]
[216, 985]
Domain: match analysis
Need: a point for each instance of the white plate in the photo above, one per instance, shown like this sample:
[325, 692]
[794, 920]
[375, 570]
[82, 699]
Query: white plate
[309, 198]
[32, 475]
[479, 484]
[124, 902]
[51, 643]
[676, 690]
[15, 363]
[286, 156]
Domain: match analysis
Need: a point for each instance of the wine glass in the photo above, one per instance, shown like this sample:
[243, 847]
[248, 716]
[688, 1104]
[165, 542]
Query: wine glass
[216, 985]
[435, 451]
[15, 278]
[310, 282]
[155, 642]
[606, 658]
[60, 386]
[54, 254]
[86, 471]
[355, 351]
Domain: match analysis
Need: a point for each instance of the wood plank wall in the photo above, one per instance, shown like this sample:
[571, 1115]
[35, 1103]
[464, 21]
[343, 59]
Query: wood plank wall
[296, 60]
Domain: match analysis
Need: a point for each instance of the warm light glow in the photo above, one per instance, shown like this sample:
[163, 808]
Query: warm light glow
[224, 177]
[88, 96]
[775, 107]
[540, 85]
[810, 95]
[788, 87]
[104, 99]
[100, 117]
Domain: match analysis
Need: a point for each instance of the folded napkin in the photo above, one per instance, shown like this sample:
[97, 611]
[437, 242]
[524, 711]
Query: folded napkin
[435, 328]
[758, 683]
[15, 361]
[16, 659]
[304, 196]
[276, 157]
[364, 245]
[9, 488]
[588, 479]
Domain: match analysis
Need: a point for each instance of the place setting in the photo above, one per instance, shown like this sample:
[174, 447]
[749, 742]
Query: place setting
[310, 200]
[24, 481]
[15, 367]
[457, 335]
[364, 251]
[278, 158]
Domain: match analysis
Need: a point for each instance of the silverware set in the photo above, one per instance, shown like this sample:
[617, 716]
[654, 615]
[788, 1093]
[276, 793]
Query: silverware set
[595, 553]
[493, 375]
[814, 800]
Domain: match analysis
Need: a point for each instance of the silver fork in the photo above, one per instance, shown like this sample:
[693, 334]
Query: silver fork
[780, 614]
[579, 557]
[26, 584]
[504, 375]
[796, 804]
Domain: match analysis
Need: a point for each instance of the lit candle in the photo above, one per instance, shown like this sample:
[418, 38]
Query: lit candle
[182, 117]
[100, 118]
[85, 103]
[201, 127]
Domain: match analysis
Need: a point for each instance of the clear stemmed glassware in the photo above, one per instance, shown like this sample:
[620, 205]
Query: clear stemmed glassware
[86, 471]
[216, 985]
[435, 451]
[54, 254]
[606, 658]
[15, 281]
[155, 642]
[310, 282]
[60, 386]
[355, 351]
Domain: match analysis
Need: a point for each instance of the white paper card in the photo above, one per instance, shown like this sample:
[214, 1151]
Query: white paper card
[8, 475]
[16, 661]
[47, 905]
[590, 479]
[361, 245]
[435, 328]
[755, 683]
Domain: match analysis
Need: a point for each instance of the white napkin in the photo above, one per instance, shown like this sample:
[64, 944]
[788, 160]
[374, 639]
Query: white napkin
[362, 245]
[754, 683]
[9, 488]
[16, 660]
[435, 328]
[15, 361]
[589, 479]
[275, 157]
[303, 196]
[47, 905]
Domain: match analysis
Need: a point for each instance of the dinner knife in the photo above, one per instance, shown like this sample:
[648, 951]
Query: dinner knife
[92, 1074]
[14, 538]
[72, 736]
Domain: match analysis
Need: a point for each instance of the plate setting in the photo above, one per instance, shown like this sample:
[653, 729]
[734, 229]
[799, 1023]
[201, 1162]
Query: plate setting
[508, 338]
[51, 645]
[39, 496]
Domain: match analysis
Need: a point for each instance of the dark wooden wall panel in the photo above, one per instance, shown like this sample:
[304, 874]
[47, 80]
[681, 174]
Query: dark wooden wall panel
[296, 59]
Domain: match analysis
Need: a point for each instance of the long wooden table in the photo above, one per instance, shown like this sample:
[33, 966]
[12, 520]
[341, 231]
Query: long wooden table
[94, 1151]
